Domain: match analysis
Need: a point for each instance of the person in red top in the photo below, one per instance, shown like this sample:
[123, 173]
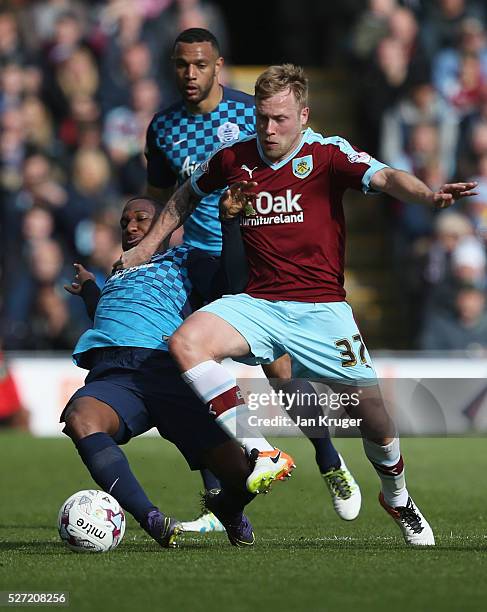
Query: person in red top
[12, 412]
[286, 189]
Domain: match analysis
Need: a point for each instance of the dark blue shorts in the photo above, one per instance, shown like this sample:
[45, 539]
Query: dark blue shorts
[146, 390]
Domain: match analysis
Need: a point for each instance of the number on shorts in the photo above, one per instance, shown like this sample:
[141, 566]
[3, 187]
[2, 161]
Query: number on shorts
[349, 358]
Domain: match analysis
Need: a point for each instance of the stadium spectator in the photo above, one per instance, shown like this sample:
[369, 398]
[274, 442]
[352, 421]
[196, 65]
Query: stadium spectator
[464, 329]
[404, 28]
[91, 190]
[11, 86]
[12, 49]
[37, 315]
[371, 27]
[55, 21]
[131, 64]
[421, 104]
[12, 151]
[477, 206]
[76, 75]
[422, 158]
[472, 144]
[99, 242]
[449, 229]
[38, 126]
[459, 72]
[442, 20]
[467, 268]
[124, 134]
[81, 126]
[382, 85]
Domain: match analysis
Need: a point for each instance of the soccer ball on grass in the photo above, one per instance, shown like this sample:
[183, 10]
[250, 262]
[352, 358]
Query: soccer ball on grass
[91, 521]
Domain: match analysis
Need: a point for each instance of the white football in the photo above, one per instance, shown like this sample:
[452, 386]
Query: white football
[91, 521]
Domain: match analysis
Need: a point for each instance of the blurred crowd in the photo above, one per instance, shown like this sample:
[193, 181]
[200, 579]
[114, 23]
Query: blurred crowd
[422, 107]
[80, 81]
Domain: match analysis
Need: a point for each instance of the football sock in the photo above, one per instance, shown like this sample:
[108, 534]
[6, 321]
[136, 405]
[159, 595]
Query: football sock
[210, 480]
[388, 464]
[218, 389]
[325, 453]
[110, 469]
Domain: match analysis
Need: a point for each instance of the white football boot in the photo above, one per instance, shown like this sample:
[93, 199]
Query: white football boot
[205, 523]
[344, 491]
[415, 528]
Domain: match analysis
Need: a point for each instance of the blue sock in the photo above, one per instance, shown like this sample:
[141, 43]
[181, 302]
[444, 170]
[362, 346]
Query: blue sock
[210, 480]
[110, 469]
[325, 453]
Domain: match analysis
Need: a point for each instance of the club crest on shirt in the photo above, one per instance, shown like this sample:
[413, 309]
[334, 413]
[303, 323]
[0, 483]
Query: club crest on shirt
[228, 131]
[303, 166]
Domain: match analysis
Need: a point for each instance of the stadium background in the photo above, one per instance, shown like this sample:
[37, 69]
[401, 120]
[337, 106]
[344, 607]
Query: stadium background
[406, 81]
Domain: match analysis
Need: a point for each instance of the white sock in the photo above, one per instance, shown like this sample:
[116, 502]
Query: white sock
[389, 466]
[211, 381]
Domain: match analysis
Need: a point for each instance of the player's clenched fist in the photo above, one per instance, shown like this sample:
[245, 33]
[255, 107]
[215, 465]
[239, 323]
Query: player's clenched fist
[236, 198]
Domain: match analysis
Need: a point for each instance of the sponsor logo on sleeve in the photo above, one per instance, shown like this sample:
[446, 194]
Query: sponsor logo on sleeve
[359, 157]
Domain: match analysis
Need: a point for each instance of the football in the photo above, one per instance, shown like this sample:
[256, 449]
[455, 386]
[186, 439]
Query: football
[91, 521]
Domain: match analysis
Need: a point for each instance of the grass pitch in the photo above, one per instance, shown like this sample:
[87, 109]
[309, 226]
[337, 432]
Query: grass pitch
[305, 558]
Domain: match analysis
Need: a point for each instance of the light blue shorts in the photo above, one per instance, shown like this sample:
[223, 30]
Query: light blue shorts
[322, 339]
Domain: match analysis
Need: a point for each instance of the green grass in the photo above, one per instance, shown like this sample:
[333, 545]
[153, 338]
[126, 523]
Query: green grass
[305, 558]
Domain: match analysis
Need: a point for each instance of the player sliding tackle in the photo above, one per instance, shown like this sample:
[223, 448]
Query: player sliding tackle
[293, 229]
[134, 385]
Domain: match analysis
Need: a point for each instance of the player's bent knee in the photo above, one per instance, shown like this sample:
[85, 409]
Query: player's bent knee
[83, 419]
[185, 344]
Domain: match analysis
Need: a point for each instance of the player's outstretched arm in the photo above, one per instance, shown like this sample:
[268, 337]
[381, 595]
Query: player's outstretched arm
[408, 188]
[178, 208]
[85, 286]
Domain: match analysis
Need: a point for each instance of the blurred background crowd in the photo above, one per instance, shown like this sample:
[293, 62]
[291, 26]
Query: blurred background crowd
[80, 81]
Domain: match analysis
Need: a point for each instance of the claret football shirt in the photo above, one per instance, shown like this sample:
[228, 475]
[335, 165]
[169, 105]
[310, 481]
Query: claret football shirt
[294, 233]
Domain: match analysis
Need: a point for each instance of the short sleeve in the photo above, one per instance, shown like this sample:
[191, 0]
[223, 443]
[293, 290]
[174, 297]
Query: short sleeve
[351, 166]
[159, 171]
[210, 175]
